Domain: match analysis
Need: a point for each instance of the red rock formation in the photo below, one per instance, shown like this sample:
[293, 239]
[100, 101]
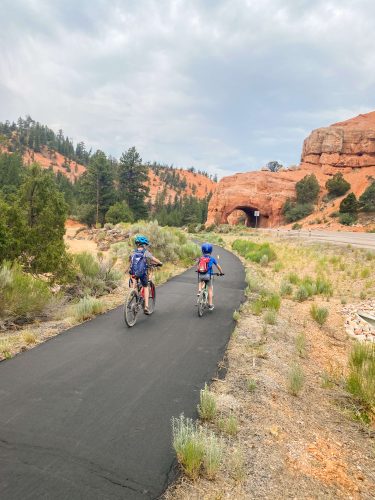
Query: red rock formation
[347, 147]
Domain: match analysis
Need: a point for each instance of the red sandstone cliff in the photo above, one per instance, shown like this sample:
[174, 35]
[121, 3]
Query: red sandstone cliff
[347, 147]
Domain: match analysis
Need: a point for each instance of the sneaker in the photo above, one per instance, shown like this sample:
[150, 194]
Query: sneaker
[146, 311]
[211, 308]
[198, 294]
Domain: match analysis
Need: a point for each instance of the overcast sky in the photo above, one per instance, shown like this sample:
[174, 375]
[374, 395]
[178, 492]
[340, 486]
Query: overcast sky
[224, 85]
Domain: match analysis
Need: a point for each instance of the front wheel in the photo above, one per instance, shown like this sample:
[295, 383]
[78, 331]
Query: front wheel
[131, 309]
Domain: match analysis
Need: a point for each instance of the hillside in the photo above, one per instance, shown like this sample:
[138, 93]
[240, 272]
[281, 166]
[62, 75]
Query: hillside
[38, 143]
[346, 147]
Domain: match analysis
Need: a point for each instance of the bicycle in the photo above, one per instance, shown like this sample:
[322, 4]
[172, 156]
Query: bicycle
[202, 301]
[135, 300]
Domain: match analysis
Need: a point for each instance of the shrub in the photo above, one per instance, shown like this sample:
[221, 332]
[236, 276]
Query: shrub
[347, 219]
[228, 425]
[266, 300]
[361, 377]
[286, 289]
[277, 267]
[213, 453]
[307, 189]
[349, 204]
[300, 343]
[367, 199]
[87, 308]
[301, 294]
[188, 444]
[293, 278]
[323, 287]
[270, 317]
[22, 296]
[337, 186]
[119, 212]
[293, 212]
[95, 276]
[319, 314]
[253, 251]
[251, 384]
[29, 337]
[264, 261]
[296, 380]
[207, 405]
[296, 226]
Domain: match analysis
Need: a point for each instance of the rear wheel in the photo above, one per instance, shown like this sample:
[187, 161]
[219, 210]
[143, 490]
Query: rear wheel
[131, 309]
[202, 301]
[152, 297]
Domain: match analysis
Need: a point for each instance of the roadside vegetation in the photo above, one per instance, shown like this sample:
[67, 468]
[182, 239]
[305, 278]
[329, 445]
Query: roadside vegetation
[297, 402]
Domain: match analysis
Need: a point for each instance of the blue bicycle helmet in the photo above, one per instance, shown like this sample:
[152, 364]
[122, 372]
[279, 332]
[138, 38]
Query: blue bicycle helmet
[207, 248]
[140, 239]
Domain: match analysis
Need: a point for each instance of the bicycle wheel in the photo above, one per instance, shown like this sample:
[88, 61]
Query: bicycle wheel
[202, 302]
[152, 297]
[131, 309]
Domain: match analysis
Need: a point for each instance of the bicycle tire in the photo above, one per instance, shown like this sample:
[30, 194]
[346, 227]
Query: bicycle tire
[131, 309]
[152, 298]
[202, 302]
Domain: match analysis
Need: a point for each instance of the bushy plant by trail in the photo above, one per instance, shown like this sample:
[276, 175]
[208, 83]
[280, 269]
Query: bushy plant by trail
[367, 199]
[361, 377]
[337, 186]
[296, 211]
[254, 252]
[95, 276]
[347, 219]
[22, 296]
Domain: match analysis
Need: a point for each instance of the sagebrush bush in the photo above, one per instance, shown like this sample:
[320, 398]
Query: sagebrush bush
[270, 317]
[228, 425]
[266, 300]
[300, 343]
[361, 377]
[96, 276]
[86, 308]
[286, 289]
[188, 443]
[207, 404]
[319, 314]
[254, 252]
[296, 380]
[22, 296]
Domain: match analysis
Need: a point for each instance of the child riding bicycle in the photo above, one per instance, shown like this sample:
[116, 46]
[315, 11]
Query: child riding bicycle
[205, 272]
[140, 261]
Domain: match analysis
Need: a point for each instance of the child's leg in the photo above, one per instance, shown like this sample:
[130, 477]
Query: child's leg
[146, 294]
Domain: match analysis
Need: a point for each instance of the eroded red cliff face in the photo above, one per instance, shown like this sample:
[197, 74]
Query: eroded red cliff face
[347, 147]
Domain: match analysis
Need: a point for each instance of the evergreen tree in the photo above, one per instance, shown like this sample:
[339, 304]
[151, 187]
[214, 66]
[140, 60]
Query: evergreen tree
[307, 189]
[337, 186]
[349, 205]
[367, 199]
[132, 176]
[96, 185]
[11, 173]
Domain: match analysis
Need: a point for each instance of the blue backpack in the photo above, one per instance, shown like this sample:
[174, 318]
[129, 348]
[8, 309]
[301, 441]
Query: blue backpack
[138, 266]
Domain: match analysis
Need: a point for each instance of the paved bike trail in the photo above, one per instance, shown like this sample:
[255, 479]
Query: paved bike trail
[87, 414]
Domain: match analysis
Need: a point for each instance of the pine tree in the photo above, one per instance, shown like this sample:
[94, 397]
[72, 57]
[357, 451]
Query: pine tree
[349, 204]
[96, 186]
[132, 176]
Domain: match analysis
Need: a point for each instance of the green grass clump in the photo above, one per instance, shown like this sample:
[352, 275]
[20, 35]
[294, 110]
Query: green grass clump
[266, 300]
[251, 384]
[87, 308]
[365, 273]
[197, 448]
[319, 314]
[301, 294]
[300, 343]
[207, 405]
[277, 267]
[270, 317]
[296, 380]
[22, 296]
[361, 377]
[286, 289]
[5, 349]
[323, 287]
[254, 252]
[228, 425]
[293, 278]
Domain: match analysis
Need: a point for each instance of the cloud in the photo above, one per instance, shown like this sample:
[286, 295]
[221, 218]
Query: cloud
[224, 85]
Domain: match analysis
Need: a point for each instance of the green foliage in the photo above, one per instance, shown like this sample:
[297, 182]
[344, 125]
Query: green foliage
[21, 295]
[119, 212]
[300, 342]
[132, 175]
[95, 277]
[96, 185]
[11, 174]
[296, 226]
[307, 190]
[337, 186]
[207, 405]
[184, 210]
[296, 380]
[270, 317]
[347, 219]
[253, 251]
[361, 377]
[349, 204]
[286, 289]
[228, 425]
[266, 300]
[319, 314]
[86, 308]
[367, 199]
[295, 211]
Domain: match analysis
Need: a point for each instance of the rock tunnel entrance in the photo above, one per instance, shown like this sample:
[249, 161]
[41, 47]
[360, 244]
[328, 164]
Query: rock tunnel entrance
[248, 217]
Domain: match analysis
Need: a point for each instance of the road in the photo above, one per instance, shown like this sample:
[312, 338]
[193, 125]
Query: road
[360, 240]
[87, 414]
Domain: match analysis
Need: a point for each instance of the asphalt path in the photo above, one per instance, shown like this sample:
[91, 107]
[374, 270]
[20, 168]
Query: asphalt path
[87, 415]
[360, 240]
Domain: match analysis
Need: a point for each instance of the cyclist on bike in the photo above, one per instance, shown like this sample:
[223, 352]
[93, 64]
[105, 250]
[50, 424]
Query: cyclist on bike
[140, 260]
[205, 272]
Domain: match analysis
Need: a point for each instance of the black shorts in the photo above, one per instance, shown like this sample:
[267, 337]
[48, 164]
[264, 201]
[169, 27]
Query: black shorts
[143, 279]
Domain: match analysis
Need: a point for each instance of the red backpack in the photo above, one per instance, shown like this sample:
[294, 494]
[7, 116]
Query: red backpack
[203, 263]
